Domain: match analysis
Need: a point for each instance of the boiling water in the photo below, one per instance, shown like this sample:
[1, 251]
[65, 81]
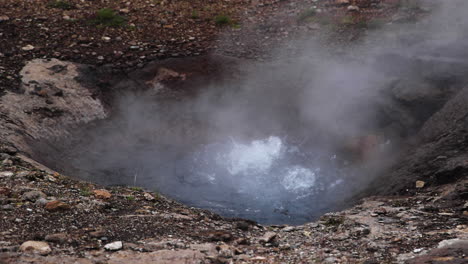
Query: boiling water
[266, 179]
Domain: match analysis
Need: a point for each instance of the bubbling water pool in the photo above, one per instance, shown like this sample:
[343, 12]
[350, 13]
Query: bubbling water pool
[267, 179]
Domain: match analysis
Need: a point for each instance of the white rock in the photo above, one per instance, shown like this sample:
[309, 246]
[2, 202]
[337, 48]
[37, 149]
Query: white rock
[450, 242]
[353, 8]
[114, 246]
[38, 247]
[106, 39]
[6, 174]
[28, 47]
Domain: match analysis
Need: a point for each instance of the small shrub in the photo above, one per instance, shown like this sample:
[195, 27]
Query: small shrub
[64, 5]
[108, 17]
[130, 198]
[307, 15]
[85, 191]
[195, 15]
[222, 20]
[136, 189]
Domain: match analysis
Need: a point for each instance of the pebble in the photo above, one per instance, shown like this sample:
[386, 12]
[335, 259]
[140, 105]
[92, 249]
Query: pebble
[148, 197]
[420, 184]
[102, 194]
[33, 195]
[38, 247]
[353, 8]
[289, 229]
[4, 18]
[57, 238]
[106, 39]
[6, 174]
[114, 246]
[56, 206]
[268, 237]
[28, 47]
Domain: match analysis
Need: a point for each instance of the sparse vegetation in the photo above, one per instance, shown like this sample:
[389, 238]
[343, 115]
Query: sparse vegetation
[307, 15]
[136, 189]
[85, 191]
[223, 20]
[195, 14]
[130, 198]
[108, 17]
[60, 4]
[332, 221]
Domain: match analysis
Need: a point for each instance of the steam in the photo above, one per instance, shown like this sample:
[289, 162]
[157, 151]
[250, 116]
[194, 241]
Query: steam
[279, 144]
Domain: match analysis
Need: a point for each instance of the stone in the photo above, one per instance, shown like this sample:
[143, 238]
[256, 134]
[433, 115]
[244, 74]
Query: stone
[114, 246]
[33, 195]
[55, 206]
[268, 237]
[106, 39]
[353, 8]
[342, 2]
[149, 197]
[5, 174]
[102, 194]
[420, 184]
[124, 11]
[57, 238]
[37, 247]
[4, 18]
[289, 229]
[28, 47]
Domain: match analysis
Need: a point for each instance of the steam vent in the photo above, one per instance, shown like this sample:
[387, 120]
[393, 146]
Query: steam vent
[233, 131]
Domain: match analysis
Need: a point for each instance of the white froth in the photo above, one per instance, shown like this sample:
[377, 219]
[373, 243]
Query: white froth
[298, 178]
[254, 158]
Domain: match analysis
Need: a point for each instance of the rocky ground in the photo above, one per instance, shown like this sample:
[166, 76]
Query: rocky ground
[46, 217]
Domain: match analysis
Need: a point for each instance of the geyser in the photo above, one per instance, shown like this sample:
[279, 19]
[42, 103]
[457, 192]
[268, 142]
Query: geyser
[283, 141]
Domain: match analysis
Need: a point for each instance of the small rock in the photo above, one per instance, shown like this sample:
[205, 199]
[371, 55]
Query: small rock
[66, 17]
[57, 238]
[420, 184]
[268, 237]
[258, 259]
[342, 2]
[28, 47]
[41, 201]
[33, 195]
[149, 197]
[100, 58]
[114, 246]
[97, 233]
[106, 39]
[353, 8]
[4, 18]
[7, 207]
[6, 174]
[55, 206]
[102, 194]
[289, 229]
[38, 247]
[418, 250]
[124, 11]
[23, 174]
